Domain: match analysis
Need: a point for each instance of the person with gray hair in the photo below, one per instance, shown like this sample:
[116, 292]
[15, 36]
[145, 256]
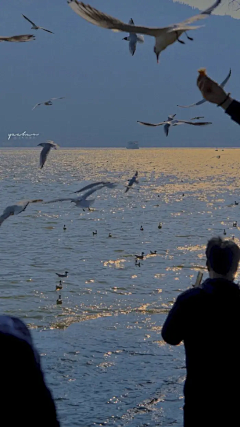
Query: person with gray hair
[207, 320]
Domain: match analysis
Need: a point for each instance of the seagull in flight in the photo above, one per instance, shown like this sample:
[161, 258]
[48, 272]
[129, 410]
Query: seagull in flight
[16, 209]
[45, 151]
[80, 202]
[104, 183]
[18, 39]
[163, 36]
[173, 122]
[35, 27]
[133, 39]
[132, 181]
[49, 102]
[204, 100]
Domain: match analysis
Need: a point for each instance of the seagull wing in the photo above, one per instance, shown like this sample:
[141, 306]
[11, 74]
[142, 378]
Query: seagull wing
[140, 39]
[87, 187]
[166, 129]
[6, 214]
[60, 200]
[197, 118]
[193, 105]
[226, 79]
[44, 29]
[151, 124]
[96, 17]
[44, 153]
[21, 38]
[51, 99]
[36, 105]
[204, 100]
[184, 25]
[88, 193]
[182, 122]
[31, 22]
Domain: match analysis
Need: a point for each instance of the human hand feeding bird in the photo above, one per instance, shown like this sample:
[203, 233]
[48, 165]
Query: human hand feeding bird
[201, 78]
[212, 91]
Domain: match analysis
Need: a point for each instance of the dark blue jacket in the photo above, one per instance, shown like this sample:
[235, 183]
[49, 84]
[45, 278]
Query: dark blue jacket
[234, 111]
[207, 320]
[25, 398]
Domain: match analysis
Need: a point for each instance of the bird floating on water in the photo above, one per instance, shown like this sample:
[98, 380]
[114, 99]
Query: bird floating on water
[141, 228]
[49, 102]
[16, 209]
[35, 27]
[94, 233]
[59, 300]
[204, 100]
[160, 225]
[235, 224]
[45, 151]
[153, 252]
[110, 235]
[164, 37]
[140, 256]
[62, 275]
[224, 232]
[18, 39]
[235, 203]
[64, 227]
[59, 287]
[137, 263]
[132, 181]
[173, 122]
[133, 39]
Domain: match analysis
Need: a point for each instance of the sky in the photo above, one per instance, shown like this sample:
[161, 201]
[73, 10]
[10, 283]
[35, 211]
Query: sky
[107, 90]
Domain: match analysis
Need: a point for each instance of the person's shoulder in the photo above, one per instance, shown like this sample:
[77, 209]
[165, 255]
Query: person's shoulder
[191, 293]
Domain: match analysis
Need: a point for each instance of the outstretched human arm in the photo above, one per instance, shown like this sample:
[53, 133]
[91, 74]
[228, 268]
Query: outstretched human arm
[214, 93]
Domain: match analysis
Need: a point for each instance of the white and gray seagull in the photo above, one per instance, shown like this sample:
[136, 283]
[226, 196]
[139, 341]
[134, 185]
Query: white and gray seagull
[16, 209]
[80, 202]
[204, 100]
[104, 183]
[18, 39]
[163, 36]
[45, 151]
[133, 39]
[172, 122]
[49, 102]
[35, 27]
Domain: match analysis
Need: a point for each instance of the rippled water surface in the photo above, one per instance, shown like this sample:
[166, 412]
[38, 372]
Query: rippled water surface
[102, 351]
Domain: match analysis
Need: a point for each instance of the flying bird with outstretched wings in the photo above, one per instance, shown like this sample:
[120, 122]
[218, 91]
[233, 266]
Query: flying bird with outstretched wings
[36, 27]
[164, 37]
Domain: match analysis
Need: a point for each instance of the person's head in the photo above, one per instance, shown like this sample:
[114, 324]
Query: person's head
[222, 258]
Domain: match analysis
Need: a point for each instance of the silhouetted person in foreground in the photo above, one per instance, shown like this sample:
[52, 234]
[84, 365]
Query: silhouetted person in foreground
[25, 399]
[207, 320]
[212, 92]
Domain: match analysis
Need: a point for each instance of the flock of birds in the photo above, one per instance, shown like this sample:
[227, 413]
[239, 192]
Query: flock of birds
[81, 202]
[164, 37]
